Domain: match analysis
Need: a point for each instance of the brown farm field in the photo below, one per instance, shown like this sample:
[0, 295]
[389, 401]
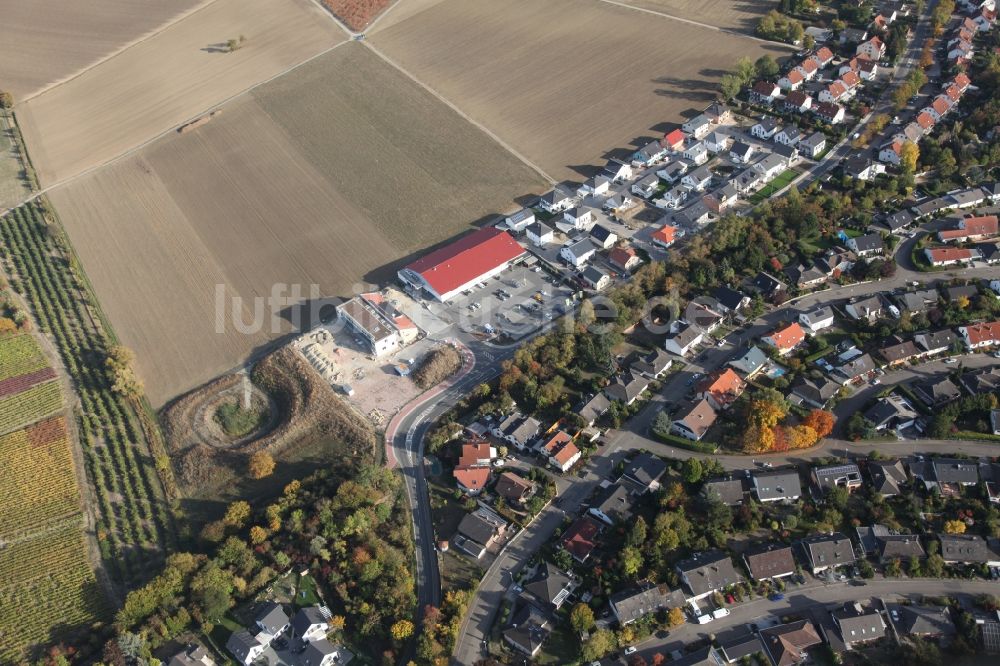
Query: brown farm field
[167, 79]
[46, 41]
[739, 15]
[325, 176]
[564, 83]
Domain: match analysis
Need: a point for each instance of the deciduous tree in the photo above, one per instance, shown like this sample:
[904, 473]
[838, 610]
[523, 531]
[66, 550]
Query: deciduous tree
[260, 465]
[581, 618]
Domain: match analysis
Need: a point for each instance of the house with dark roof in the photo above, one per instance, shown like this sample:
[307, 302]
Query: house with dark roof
[730, 300]
[514, 489]
[580, 538]
[596, 278]
[271, 618]
[897, 353]
[897, 221]
[888, 476]
[901, 547]
[936, 342]
[767, 285]
[638, 602]
[683, 338]
[549, 587]
[828, 551]
[612, 504]
[893, 412]
[779, 485]
[694, 420]
[789, 644]
[730, 491]
[706, 656]
[814, 392]
[246, 647]
[643, 472]
[191, 655]
[311, 623]
[654, 364]
[923, 621]
[828, 477]
[751, 363]
[707, 572]
[627, 388]
[479, 531]
[737, 644]
[968, 549]
[978, 382]
[321, 652]
[858, 624]
[592, 408]
[945, 472]
[767, 561]
[527, 629]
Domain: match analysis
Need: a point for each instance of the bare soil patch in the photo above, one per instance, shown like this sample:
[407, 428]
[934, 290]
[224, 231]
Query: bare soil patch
[356, 14]
[327, 176]
[729, 14]
[568, 82]
[45, 41]
[168, 79]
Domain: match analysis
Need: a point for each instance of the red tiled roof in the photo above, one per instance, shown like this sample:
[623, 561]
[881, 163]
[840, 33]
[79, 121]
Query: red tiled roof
[673, 138]
[473, 453]
[850, 79]
[664, 234]
[940, 254]
[466, 259]
[473, 478]
[836, 89]
[824, 54]
[940, 105]
[794, 77]
[953, 93]
[566, 453]
[557, 441]
[985, 332]
[809, 65]
[925, 120]
[621, 256]
[724, 386]
[962, 81]
[788, 337]
[796, 98]
[579, 539]
[764, 88]
[826, 109]
[980, 225]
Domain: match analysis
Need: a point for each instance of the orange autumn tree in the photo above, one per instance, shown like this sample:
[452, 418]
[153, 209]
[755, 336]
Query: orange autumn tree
[821, 421]
[763, 417]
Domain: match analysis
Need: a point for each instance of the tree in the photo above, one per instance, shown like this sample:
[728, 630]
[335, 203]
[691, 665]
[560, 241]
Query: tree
[730, 86]
[954, 527]
[631, 561]
[257, 535]
[808, 42]
[121, 374]
[637, 533]
[675, 617]
[909, 154]
[692, 470]
[766, 67]
[821, 421]
[237, 514]
[745, 70]
[581, 618]
[934, 566]
[261, 465]
[6, 100]
[601, 643]
[401, 630]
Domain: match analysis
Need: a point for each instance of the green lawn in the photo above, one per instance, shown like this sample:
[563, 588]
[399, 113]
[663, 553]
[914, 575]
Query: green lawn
[305, 594]
[775, 185]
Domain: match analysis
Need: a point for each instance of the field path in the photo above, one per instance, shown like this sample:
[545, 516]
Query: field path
[699, 24]
[473, 121]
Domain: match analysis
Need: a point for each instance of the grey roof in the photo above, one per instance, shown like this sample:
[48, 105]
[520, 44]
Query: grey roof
[968, 197]
[613, 166]
[767, 284]
[740, 148]
[730, 491]
[601, 233]
[856, 367]
[593, 274]
[730, 299]
[890, 411]
[859, 624]
[693, 213]
[556, 195]
[768, 162]
[521, 216]
[636, 603]
[958, 291]
[944, 339]
[538, 229]
[706, 656]
[525, 429]
[700, 174]
[901, 546]
[813, 140]
[899, 352]
[818, 391]
[653, 363]
[829, 477]
[548, 586]
[645, 469]
[316, 651]
[829, 550]
[887, 476]
[820, 313]
[739, 643]
[768, 560]
[788, 152]
[272, 616]
[986, 380]
[685, 334]
[613, 501]
[923, 620]
[949, 470]
[307, 617]
[768, 123]
[627, 387]
[580, 247]
[590, 410]
[777, 484]
[967, 548]
[711, 570]
[476, 528]
[869, 242]
[527, 629]
[917, 301]
[241, 642]
[898, 220]
[750, 361]
[937, 391]
[192, 655]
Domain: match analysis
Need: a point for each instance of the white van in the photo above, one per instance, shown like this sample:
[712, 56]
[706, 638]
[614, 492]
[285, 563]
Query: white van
[720, 612]
[704, 619]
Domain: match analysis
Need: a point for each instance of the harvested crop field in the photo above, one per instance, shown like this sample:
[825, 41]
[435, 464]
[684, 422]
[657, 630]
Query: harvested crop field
[326, 176]
[167, 80]
[739, 15]
[356, 14]
[45, 41]
[567, 82]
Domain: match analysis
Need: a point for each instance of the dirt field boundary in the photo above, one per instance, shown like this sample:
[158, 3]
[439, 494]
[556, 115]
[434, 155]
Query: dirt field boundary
[707, 26]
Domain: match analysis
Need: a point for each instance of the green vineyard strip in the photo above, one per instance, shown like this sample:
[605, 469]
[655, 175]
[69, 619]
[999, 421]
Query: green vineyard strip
[20, 355]
[26, 407]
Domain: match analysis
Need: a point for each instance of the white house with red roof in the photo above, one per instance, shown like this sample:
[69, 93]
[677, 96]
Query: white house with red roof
[873, 49]
[980, 335]
[674, 139]
[974, 228]
[785, 338]
[948, 256]
[475, 258]
[791, 81]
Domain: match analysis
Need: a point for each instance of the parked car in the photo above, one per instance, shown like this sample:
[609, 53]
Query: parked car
[630, 650]
[776, 596]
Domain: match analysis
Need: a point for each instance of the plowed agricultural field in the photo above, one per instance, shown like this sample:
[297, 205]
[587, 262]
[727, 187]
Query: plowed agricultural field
[563, 82]
[730, 14]
[168, 79]
[324, 176]
[45, 41]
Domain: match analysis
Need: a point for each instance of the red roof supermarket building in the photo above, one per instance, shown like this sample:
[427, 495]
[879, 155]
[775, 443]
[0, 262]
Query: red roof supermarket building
[447, 271]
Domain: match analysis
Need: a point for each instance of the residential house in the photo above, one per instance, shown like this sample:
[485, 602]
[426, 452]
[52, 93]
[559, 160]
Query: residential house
[593, 408]
[649, 154]
[653, 364]
[697, 153]
[853, 35]
[766, 128]
[807, 68]
[611, 504]
[580, 218]
[829, 111]
[798, 101]
[921, 621]
[638, 602]
[718, 113]
[822, 57]
[972, 228]
[921, 300]
[892, 412]
[817, 319]
[983, 334]
[730, 300]
[770, 166]
[764, 92]
[968, 549]
[750, 363]
[699, 313]
[643, 473]
[768, 561]
[721, 388]
[664, 236]
[694, 420]
[793, 80]
[790, 154]
[925, 121]
[717, 142]
[625, 259]
[561, 452]
[580, 538]
[694, 215]
[814, 392]
[698, 127]
[741, 153]
[517, 429]
[618, 170]
[514, 489]
[861, 168]
[480, 531]
[899, 352]
[674, 139]
[519, 221]
[949, 256]
[789, 644]
[730, 491]
[888, 476]
[945, 473]
[191, 655]
[897, 221]
[867, 245]
[602, 236]
[937, 391]
[272, 619]
[647, 186]
[683, 339]
[672, 172]
[556, 200]
[540, 234]
[854, 368]
[779, 485]
[627, 388]
[870, 308]
[595, 186]
[746, 181]
[738, 645]
[578, 252]
[834, 92]
[873, 49]
[868, 69]
[527, 629]
[812, 145]
[828, 551]
[247, 647]
[698, 179]
[785, 338]
[858, 624]
[311, 623]
[891, 153]
[767, 285]
[828, 477]
[707, 572]
[901, 547]
[722, 199]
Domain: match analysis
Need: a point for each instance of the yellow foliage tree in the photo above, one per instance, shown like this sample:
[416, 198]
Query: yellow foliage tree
[908, 156]
[954, 527]
[337, 623]
[675, 617]
[801, 437]
[237, 514]
[402, 630]
[261, 465]
[257, 534]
